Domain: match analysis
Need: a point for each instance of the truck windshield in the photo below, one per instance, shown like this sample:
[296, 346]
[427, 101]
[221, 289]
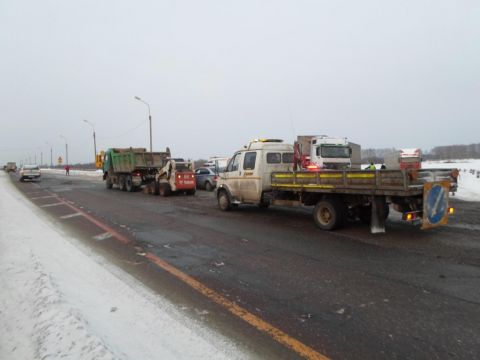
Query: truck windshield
[410, 159]
[333, 151]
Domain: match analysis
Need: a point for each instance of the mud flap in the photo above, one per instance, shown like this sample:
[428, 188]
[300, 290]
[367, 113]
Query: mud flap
[377, 223]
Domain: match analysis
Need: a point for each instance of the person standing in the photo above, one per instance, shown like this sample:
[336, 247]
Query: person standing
[371, 166]
[67, 170]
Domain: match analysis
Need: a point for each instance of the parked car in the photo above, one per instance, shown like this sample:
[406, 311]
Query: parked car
[30, 172]
[206, 178]
[10, 167]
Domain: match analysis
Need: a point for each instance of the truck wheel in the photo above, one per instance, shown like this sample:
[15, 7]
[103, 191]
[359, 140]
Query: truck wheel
[164, 190]
[156, 190]
[129, 184]
[208, 186]
[108, 182]
[223, 201]
[121, 183]
[328, 214]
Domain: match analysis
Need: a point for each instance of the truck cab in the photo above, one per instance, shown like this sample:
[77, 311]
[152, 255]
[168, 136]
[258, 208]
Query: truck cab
[326, 152]
[246, 179]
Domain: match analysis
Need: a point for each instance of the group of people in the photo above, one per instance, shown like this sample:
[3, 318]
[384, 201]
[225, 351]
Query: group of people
[373, 167]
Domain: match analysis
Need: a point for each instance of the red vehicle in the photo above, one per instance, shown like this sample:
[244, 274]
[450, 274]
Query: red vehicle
[176, 176]
[404, 159]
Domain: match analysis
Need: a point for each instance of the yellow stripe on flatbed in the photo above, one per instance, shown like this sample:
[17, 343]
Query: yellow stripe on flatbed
[310, 186]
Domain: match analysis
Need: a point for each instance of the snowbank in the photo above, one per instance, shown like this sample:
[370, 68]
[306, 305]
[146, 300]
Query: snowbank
[93, 173]
[60, 300]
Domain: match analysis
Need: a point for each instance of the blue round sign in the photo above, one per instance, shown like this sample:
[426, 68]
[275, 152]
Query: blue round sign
[436, 204]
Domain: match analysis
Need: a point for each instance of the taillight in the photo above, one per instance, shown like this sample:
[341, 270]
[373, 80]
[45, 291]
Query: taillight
[215, 177]
[410, 216]
[313, 167]
[179, 176]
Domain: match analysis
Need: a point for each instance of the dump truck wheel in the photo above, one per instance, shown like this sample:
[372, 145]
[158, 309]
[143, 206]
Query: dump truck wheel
[108, 182]
[223, 201]
[164, 190]
[328, 214]
[121, 183]
[208, 186]
[129, 184]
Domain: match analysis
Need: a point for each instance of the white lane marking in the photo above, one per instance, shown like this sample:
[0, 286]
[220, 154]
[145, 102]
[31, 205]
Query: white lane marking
[53, 204]
[103, 236]
[71, 215]
[42, 197]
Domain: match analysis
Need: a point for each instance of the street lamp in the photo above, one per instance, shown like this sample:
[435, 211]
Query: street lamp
[149, 118]
[66, 149]
[94, 140]
[51, 154]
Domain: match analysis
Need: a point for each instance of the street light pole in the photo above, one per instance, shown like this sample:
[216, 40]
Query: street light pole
[149, 118]
[94, 140]
[66, 149]
[51, 154]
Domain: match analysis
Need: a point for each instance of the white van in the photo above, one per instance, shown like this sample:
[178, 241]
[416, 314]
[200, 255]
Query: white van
[246, 179]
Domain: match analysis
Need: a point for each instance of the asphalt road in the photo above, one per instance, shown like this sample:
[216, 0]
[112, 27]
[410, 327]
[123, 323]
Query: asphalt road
[348, 294]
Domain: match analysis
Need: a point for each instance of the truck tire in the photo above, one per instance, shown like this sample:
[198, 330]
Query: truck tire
[121, 183]
[156, 190]
[108, 182]
[208, 186]
[328, 214]
[224, 201]
[164, 190]
[129, 184]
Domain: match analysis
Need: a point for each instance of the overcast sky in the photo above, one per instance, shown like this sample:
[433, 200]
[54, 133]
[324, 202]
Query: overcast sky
[219, 73]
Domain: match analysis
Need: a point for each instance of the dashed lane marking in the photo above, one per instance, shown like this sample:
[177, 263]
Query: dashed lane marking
[52, 204]
[42, 197]
[103, 236]
[253, 320]
[71, 215]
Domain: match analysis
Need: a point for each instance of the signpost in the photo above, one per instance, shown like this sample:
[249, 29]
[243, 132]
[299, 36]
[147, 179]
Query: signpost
[435, 204]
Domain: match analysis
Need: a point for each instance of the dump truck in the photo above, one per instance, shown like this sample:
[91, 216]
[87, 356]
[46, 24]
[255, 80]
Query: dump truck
[130, 168]
[263, 173]
[314, 152]
[175, 176]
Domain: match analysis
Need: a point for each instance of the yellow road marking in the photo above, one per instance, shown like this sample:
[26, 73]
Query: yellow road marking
[283, 338]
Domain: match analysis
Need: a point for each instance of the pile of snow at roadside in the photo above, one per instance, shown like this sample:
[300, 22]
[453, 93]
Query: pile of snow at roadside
[468, 182]
[58, 299]
[93, 173]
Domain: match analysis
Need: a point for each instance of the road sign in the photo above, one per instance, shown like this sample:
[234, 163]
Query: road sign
[60, 160]
[435, 204]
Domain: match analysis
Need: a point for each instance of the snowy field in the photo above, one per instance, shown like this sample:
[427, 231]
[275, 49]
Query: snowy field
[60, 300]
[468, 183]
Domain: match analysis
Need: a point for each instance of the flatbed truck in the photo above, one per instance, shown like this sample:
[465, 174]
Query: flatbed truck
[262, 173]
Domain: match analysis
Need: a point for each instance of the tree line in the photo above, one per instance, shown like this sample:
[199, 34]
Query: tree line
[445, 152]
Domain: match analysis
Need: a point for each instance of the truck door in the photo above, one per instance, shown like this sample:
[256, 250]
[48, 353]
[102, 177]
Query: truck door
[232, 175]
[250, 183]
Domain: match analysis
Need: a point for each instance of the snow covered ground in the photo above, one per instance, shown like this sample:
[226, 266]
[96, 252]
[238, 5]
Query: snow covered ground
[58, 299]
[468, 183]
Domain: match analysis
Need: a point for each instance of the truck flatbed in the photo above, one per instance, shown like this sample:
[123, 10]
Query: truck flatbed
[360, 182]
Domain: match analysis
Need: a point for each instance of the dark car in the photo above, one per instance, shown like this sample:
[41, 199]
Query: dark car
[206, 178]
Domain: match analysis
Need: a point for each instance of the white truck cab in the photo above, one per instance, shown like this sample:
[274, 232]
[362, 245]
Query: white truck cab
[326, 152]
[246, 179]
